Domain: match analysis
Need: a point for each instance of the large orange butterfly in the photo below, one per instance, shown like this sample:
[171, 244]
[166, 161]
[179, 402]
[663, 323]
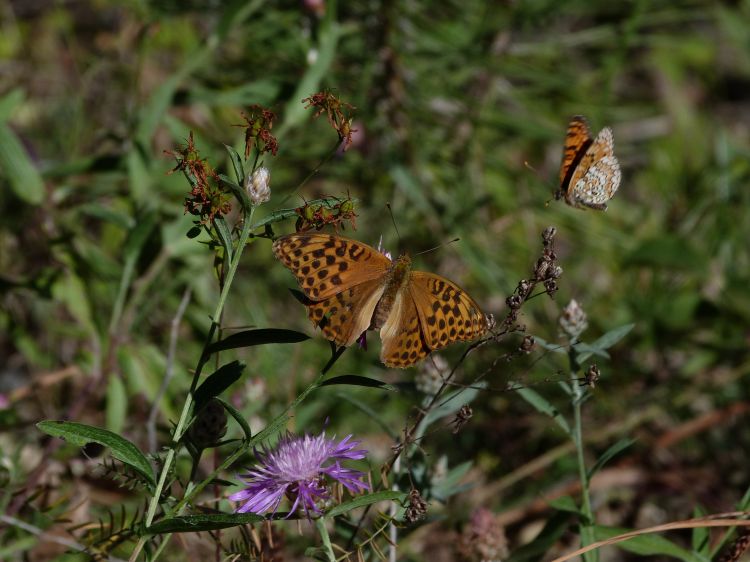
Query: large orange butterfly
[590, 173]
[352, 288]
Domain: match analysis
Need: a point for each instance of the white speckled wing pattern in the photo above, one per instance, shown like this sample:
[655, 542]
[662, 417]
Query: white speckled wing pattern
[596, 173]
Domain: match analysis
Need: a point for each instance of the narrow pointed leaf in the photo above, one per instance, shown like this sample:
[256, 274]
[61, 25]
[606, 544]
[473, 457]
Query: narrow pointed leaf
[360, 501]
[357, 380]
[542, 405]
[261, 336]
[216, 383]
[238, 417]
[81, 434]
[239, 168]
[207, 522]
[225, 236]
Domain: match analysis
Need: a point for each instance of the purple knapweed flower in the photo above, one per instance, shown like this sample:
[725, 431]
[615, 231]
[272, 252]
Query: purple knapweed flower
[301, 469]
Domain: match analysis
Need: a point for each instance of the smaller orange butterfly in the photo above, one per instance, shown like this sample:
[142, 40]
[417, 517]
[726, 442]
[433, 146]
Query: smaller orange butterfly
[589, 173]
[351, 288]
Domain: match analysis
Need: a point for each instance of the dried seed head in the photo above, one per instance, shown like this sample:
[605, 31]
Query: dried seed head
[417, 507]
[462, 418]
[527, 344]
[258, 186]
[573, 321]
[209, 426]
[592, 376]
[548, 235]
[514, 302]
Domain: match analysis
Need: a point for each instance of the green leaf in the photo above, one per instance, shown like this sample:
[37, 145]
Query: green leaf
[648, 544]
[552, 531]
[216, 383]
[542, 405]
[239, 168]
[25, 180]
[565, 503]
[238, 417]
[194, 232]
[613, 451]
[357, 380]
[361, 501]
[701, 538]
[238, 191]
[261, 336]
[117, 404]
[448, 486]
[554, 347]
[225, 236]
[81, 434]
[584, 351]
[207, 522]
[9, 102]
[612, 337]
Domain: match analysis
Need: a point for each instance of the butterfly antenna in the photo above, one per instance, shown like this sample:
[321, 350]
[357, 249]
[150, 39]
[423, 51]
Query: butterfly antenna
[390, 211]
[437, 247]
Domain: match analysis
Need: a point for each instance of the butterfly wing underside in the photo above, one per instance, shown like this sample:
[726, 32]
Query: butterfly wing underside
[446, 312]
[577, 140]
[597, 176]
[326, 265]
[402, 343]
[343, 317]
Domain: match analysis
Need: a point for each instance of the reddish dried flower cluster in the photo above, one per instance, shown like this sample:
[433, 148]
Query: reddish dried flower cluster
[337, 111]
[333, 211]
[206, 199]
[258, 131]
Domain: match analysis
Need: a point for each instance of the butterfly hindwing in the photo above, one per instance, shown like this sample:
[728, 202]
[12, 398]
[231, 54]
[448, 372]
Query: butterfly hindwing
[597, 175]
[346, 315]
[325, 265]
[446, 312]
[402, 342]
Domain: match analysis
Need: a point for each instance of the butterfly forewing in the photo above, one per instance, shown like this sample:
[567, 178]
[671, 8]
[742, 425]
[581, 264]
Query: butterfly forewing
[446, 312]
[401, 336]
[325, 265]
[577, 140]
[345, 316]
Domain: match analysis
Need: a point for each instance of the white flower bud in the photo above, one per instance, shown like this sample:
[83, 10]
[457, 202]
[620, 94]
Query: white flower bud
[258, 186]
[573, 320]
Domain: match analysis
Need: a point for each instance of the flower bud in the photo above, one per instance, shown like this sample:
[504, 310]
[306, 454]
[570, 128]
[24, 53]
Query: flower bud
[573, 320]
[258, 186]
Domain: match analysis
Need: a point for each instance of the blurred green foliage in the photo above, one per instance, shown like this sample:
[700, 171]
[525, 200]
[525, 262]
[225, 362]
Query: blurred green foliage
[461, 114]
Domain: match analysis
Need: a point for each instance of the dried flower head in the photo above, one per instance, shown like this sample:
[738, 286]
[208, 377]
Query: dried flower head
[258, 186]
[462, 418]
[258, 125]
[302, 469]
[483, 538]
[327, 211]
[337, 111]
[592, 376]
[207, 199]
[573, 321]
[417, 508]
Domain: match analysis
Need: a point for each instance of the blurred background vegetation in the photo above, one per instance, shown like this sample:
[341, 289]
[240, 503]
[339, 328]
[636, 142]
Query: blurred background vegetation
[461, 109]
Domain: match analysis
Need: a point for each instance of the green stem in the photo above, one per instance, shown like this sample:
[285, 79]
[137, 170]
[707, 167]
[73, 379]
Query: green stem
[184, 416]
[320, 524]
[587, 522]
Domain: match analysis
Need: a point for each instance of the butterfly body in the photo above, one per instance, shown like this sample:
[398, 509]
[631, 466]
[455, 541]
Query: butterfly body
[396, 280]
[351, 287]
[589, 173]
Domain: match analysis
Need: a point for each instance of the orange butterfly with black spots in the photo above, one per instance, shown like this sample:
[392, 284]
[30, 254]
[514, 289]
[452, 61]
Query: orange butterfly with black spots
[589, 173]
[351, 288]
